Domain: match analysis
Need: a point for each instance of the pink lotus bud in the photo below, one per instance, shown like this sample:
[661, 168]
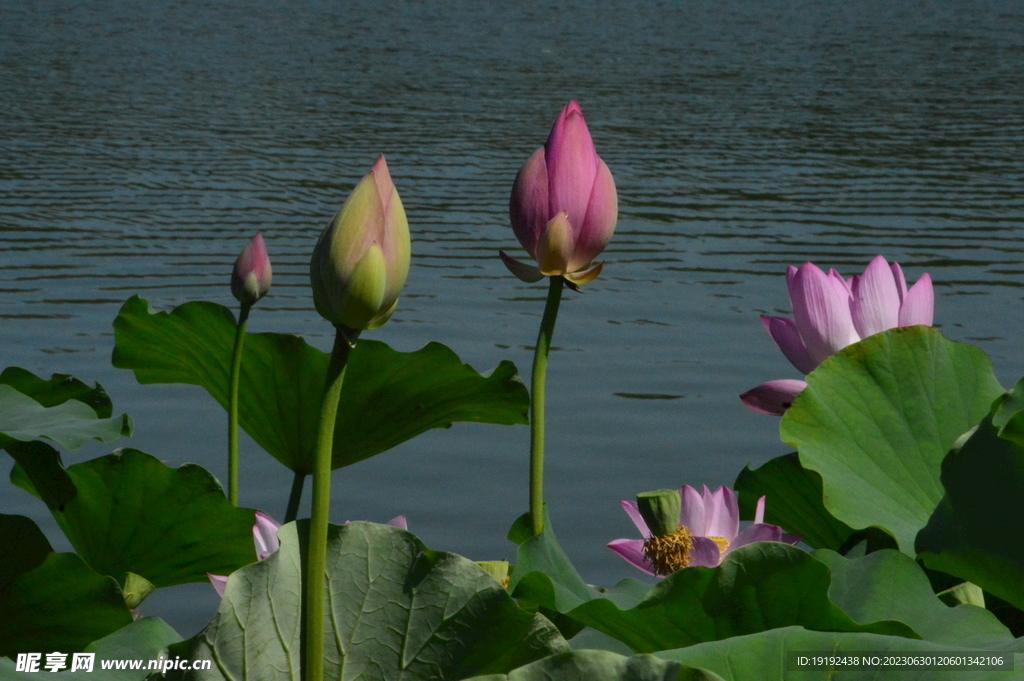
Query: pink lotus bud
[250, 280]
[361, 261]
[563, 206]
[264, 535]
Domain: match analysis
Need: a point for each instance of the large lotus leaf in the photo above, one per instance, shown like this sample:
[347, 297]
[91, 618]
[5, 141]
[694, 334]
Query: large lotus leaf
[877, 418]
[132, 513]
[41, 472]
[543, 575]
[70, 423]
[760, 586]
[61, 605]
[388, 396]
[545, 579]
[794, 501]
[975, 533]
[600, 665]
[1008, 415]
[132, 648]
[58, 389]
[23, 546]
[889, 585]
[396, 611]
[766, 656]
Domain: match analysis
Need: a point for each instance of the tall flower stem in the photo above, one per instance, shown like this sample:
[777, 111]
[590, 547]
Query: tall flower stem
[292, 512]
[540, 367]
[236, 370]
[316, 569]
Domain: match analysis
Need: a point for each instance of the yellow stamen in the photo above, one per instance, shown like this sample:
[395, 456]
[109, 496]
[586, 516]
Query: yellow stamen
[723, 545]
[670, 552]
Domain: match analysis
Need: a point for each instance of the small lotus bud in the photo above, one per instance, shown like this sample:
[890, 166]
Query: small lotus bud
[250, 280]
[660, 510]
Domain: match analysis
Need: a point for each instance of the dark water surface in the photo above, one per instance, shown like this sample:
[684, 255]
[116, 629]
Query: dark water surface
[141, 146]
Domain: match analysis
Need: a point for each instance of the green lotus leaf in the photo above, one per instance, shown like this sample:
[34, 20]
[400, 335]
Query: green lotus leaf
[61, 605]
[395, 610]
[793, 502]
[600, 665]
[388, 396]
[52, 409]
[23, 546]
[764, 585]
[543, 575]
[132, 513]
[766, 656]
[975, 532]
[58, 389]
[878, 417]
[137, 644]
[889, 585]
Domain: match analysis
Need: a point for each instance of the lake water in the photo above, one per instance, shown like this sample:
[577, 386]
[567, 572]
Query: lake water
[141, 147]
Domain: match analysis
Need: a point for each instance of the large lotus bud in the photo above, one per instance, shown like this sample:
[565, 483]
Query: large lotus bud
[250, 280]
[361, 261]
[563, 206]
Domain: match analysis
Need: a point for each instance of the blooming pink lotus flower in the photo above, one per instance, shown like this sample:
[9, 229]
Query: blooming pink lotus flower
[563, 206]
[830, 313]
[264, 534]
[250, 279]
[710, 522]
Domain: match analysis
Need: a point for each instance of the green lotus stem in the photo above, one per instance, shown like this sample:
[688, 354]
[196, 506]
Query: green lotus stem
[295, 497]
[236, 370]
[316, 569]
[540, 367]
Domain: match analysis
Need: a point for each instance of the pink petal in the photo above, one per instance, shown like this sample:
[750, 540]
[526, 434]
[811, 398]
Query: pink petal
[219, 583]
[821, 313]
[399, 522]
[876, 299]
[794, 539]
[759, 513]
[756, 532]
[705, 553]
[633, 512]
[843, 286]
[599, 224]
[528, 205]
[383, 179]
[786, 335]
[773, 397]
[264, 534]
[722, 514]
[901, 281]
[633, 551]
[691, 510]
[572, 166]
[919, 303]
